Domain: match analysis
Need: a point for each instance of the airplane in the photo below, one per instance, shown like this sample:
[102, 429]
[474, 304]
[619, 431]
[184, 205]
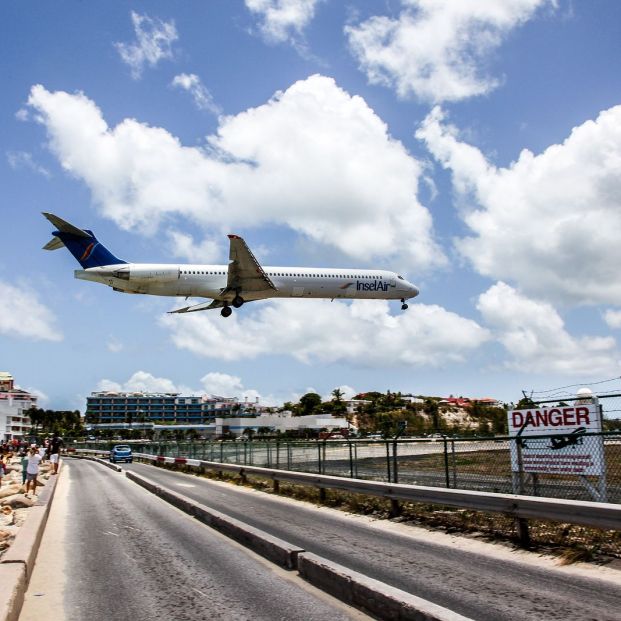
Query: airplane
[242, 280]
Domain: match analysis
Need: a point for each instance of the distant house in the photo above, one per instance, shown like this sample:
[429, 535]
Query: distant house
[354, 405]
[412, 399]
[466, 402]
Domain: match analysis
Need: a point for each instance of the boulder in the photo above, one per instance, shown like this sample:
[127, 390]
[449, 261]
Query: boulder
[9, 490]
[17, 501]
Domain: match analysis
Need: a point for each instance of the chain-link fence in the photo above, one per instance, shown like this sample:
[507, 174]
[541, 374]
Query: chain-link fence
[584, 466]
[482, 464]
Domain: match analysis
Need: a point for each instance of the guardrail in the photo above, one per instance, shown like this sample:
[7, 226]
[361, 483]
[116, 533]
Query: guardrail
[477, 464]
[595, 514]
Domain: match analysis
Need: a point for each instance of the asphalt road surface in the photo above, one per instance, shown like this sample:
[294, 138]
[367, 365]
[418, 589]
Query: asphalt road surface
[112, 550]
[473, 583]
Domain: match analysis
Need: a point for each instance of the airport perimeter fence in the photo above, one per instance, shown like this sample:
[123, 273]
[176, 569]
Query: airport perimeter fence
[587, 467]
[478, 464]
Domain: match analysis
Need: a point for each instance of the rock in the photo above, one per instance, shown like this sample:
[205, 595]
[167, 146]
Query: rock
[17, 501]
[9, 490]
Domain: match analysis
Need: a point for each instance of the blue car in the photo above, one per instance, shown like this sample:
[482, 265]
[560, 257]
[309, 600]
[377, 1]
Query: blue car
[121, 452]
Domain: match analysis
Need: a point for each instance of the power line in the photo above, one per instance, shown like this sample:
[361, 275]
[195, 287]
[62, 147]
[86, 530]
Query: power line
[556, 390]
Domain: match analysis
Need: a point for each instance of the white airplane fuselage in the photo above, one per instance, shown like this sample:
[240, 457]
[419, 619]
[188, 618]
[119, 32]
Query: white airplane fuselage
[210, 281]
[228, 286]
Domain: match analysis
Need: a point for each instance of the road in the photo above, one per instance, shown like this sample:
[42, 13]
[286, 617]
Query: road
[480, 581]
[111, 550]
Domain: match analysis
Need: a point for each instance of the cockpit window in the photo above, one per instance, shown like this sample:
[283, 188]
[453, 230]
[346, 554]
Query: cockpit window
[400, 277]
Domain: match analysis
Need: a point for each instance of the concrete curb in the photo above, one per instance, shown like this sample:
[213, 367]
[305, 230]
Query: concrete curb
[17, 564]
[368, 594]
[353, 588]
[272, 548]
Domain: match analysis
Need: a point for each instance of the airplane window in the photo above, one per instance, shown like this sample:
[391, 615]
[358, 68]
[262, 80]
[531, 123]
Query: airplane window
[400, 277]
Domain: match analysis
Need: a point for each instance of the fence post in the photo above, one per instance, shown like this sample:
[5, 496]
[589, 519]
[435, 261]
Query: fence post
[395, 470]
[521, 523]
[446, 462]
[454, 460]
[318, 457]
[388, 460]
[351, 459]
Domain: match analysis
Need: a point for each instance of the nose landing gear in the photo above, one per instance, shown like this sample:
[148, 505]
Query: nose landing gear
[404, 306]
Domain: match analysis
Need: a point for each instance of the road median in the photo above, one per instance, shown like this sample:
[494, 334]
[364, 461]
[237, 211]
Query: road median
[370, 595]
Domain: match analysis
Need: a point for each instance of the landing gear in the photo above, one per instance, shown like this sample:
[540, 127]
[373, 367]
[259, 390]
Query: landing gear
[226, 311]
[238, 301]
[404, 306]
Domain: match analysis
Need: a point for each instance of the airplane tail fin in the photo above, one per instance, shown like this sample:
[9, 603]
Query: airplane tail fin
[82, 244]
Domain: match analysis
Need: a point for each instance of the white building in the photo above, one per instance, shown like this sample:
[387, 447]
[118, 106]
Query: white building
[14, 423]
[355, 405]
[281, 421]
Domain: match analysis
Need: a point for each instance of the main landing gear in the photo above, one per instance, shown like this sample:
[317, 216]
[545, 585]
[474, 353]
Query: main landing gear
[237, 302]
[404, 306]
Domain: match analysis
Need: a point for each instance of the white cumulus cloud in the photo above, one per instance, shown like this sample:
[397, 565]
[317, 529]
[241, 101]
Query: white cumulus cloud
[154, 39]
[213, 383]
[24, 316]
[313, 158]
[191, 83]
[183, 245]
[22, 159]
[318, 331]
[613, 318]
[549, 222]
[282, 20]
[436, 50]
[534, 335]
[142, 381]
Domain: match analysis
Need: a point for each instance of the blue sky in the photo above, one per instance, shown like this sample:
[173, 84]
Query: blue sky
[473, 146]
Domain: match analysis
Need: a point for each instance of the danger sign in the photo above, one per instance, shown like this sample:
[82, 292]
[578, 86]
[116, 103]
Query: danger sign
[569, 451]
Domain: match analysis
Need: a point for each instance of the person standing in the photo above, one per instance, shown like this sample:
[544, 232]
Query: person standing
[42, 449]
[32, 470]
[54, 448]
[24, 460]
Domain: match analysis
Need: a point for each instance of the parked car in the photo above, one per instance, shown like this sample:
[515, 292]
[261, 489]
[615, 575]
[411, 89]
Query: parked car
[121, 452]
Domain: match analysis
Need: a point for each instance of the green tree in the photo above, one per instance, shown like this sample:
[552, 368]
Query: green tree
[309, 403]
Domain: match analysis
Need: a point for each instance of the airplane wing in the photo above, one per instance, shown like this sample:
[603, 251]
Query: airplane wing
[245, 273]
[199, 307]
